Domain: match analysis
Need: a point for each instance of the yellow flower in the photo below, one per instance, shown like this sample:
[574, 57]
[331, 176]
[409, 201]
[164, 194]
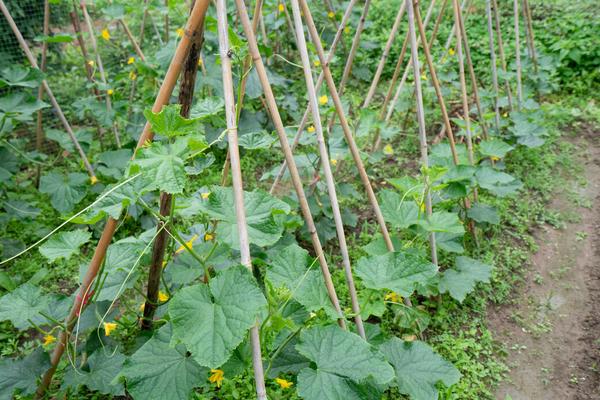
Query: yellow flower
[131, 60]
[105, 34]
[110, 92]
[494, 158]
[409, 338]
[451, 51]
[388, 150]
[187, 245]
[142, 307]
[208, 237]
[423, 77]
[205, 195]
[317, 63]
[91, 63]
[323, 100]
[199, 62]
[505, 115]
[281, 7]
[49, 339]
[393, 297]
[311, 129]
[132, 76]
[334, 162]
[331, 14]
[285, 384]
[180, 32]
[109, 327]
[216, 376]
[347, 30]
[162, 296]
[93, 180]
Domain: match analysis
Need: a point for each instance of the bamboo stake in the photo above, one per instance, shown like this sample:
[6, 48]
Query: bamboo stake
[420, 116]
[90, 26]
[384, 56]
[196, 19]
[304, 120]
[488, 11]
[337, 215]
[518, 54]
[46, 88]
[143, 23]
[167, 22]
[39, 129]
[136, 47]
[236, 175]
[501, 54]
[312, 29]
[77, 28]
[530, 36]
[291, 163]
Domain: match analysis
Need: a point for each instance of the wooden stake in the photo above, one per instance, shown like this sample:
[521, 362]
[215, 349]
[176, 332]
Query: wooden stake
[136, 47]
[39, 129]
[167, 22]
[518, 54]
[501, 54]
[46, 88]
[530, 35]
[335, 207]
[291, 163]
[143, 23]
[488, 12]
[196, 19]
[420, 116]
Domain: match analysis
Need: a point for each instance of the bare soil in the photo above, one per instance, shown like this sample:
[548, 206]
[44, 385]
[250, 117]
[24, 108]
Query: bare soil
[552, 330]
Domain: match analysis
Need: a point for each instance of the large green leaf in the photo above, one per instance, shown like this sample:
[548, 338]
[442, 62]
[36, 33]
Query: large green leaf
[528, 132]
[102, 367]
[418, 368]
[169, 122]
[256, 140]
[399, 272]
[228, 306]
[117, 274]
[483, 213]
[461, 280]
[23, 305]
[18, 75]
[162, 166]
[398, 212]
[260, 208]
[21, 375]
[499, 183]
[65, 190]
[342, 361]
[442, 221]
[159, 371]
[494, 148]
[64, 244]
[113, 203]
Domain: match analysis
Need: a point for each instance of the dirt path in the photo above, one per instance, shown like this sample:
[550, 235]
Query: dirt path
[552, 332]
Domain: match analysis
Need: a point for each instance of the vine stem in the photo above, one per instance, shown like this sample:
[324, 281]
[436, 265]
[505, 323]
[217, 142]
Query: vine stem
[291, 163]
[324, 155]
[236, 176]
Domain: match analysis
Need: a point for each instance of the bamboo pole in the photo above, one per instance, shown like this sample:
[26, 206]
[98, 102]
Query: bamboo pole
[337, 215]
[196, 19]
[490, 28]
[77, 28]
[134, 43]
[46, 88]
[304, 120]
[291, 163]
[312, 29]
[501, 54]
[167, 22]
[384, 56]
[236, 174]
[143, 23]
[530, 35]
[39, 128]
[90, 26]
[420, 116]
[518, 54]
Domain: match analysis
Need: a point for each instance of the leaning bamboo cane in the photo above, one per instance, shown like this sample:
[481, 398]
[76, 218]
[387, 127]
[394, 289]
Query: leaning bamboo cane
[490, 28]
[291, 163]
[236, 175]
[90, 26]
[337, 215]
[501, 54]
[39, 129]
[166, 89]
[312, 29]
[134, 43]
[518, 54]
[143, 23]
[420, 116]
[384, 56]
[452, 33]
[57, 109]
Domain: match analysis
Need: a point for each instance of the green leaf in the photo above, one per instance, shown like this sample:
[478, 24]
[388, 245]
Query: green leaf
[24, 304]
[528, 133]
[228, 307]
[450, 242]
[499, 183]
[494, 148]
[162, 167]
[112, 204]
[83, 136]
[102, 367]
[443, 221]
[398, 272]
[398, 212]
[461, 280]
[65, 191]
[21, 375]
[64, 244]
[114, 163]
[418, 368]
[17, 75]
[169, 122]
[342, 360]
[483, 213]
[159, 371]
[260, 208]
[256, 140]
[117, 275]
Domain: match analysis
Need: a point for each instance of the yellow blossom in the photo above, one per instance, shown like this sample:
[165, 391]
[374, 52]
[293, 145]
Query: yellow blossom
[162, 296]
[105, 34]
[205, 195]
[110, 92]
[49, 339]
[311, 129]
[91, 63]
[281, 7]
[393, 297]
[388, 150]
[423, 77]
[334, 162]
[317, 63]
[187, 245]
[505, 115]
[180, 32]
[142, 307]
[199, 61]
[409, 338]
[285, 384]
[208, 237]
[216, 376]
[323, 100]
[331, 14]
[93, 179]
[494, 158]
[347, 30]
[109, 327]
[132, 76]
[451, 51]
[131, 60]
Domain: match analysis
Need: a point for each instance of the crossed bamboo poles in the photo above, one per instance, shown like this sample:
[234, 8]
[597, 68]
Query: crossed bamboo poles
[194, 23]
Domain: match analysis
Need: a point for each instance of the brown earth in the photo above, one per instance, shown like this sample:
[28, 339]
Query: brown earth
[552, 330]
